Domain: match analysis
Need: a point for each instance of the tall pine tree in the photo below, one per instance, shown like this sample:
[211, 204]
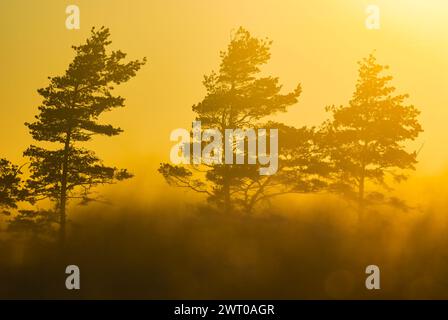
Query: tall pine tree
[366, 139]
[238, 97]
[72, 104]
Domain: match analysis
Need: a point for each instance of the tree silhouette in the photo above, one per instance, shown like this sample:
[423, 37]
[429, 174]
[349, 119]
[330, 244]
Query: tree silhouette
[11, 189]
[365, 140]
[72, 104]
[237, 99]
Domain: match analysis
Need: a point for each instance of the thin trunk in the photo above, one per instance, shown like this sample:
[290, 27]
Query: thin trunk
[226, 172]
[63, 195]
[226, 182]
[254, 198]
[362, 179]
[226, 189]
[361, 204]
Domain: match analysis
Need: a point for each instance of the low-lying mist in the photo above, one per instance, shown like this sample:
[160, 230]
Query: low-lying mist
[316, 247]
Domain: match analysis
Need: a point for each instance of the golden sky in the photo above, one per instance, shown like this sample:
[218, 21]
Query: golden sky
[316, 43]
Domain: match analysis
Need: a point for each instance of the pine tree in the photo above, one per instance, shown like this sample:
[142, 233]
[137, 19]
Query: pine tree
[237, 98]
[365, 140]
[72, 104]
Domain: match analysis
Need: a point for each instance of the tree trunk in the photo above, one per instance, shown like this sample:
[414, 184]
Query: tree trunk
[63, 195]
[361, 205]
[226, 189]
[362, 179]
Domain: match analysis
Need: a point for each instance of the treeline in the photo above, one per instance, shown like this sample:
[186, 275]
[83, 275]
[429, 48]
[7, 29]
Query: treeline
[361, 144]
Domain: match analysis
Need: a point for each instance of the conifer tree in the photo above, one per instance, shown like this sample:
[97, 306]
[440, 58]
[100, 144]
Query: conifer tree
[238, 97]
[366, 139]
[69, 115]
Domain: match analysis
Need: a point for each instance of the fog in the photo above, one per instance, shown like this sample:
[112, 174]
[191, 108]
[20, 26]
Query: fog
[299, 248]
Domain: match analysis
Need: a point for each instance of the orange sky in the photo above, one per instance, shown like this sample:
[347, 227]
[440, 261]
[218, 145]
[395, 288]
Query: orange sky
[316, 43]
